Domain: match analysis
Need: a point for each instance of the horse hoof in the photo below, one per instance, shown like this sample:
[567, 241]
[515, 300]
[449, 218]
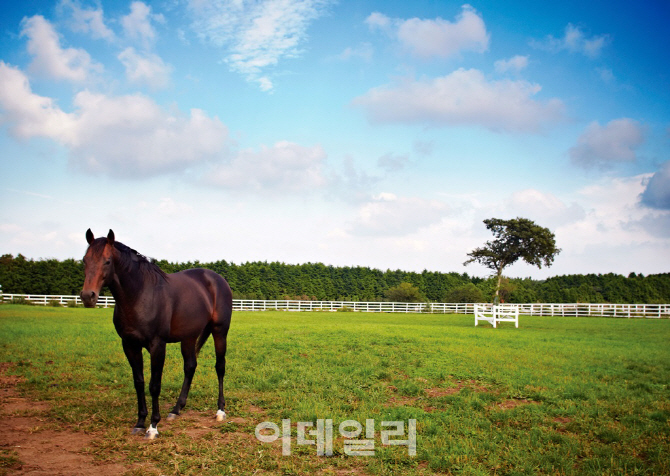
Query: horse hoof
[137, 430]
[172, 416]
[151, 434]
[220, 415]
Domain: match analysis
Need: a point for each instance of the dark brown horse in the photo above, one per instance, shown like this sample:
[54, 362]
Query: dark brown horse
[153, 309]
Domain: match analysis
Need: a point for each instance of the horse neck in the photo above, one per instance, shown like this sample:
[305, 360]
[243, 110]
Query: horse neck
[127, 285]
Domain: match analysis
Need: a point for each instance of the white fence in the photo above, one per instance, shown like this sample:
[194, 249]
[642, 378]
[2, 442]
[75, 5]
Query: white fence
[581, 310]
[103, 301]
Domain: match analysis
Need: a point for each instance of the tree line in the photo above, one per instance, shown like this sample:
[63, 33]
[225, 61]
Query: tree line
[317, 281]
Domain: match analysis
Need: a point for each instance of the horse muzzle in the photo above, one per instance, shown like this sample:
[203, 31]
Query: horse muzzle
[89, 298]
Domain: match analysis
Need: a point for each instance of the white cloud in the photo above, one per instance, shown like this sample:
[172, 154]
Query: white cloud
[137, 25]
[131, 136]
[389, 215]
[436, 38]
[602, 147]
[363, 51]
[657, 191]
[145, 68]
[27, 114]
[87, 20]
[514, 64]
[379, 21]
[614, 220]
[256, 35]
[574, 40]
[49, 58]
[544, 208]
[463, 97]
[126, 136]
[284, 167]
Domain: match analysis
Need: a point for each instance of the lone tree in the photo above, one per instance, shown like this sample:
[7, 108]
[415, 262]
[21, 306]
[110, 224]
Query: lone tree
[514, 239]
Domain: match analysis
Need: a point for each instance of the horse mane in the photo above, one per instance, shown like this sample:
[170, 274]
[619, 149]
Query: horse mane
[129, 258]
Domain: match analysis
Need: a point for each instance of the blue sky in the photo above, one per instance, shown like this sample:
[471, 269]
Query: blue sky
[363, 133]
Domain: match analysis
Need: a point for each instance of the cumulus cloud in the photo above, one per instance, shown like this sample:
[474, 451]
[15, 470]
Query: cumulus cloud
[602, 147]
[132, 137]
[284, 167]
[390, 215]
[256, 35]
[127, 136]
[138, 24]
[544, 207]
[463, 97]
[657, 192]
[50, 58]
[87, 20]
[436, 38]
[614, 218]
[514, 64]
[574, 40]
[145, 68]
[28, 114]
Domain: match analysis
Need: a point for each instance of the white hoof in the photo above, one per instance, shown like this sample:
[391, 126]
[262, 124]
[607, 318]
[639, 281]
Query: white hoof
[151, 434]
[220, 415]
[172, 416]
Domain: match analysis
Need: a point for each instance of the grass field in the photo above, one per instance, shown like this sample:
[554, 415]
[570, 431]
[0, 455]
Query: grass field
[556, 396]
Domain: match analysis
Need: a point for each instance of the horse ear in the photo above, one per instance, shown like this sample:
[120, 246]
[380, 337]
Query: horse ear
[89, 236]
[110, 237]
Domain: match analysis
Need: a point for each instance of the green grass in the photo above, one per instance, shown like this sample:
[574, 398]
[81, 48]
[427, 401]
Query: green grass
[556, 396]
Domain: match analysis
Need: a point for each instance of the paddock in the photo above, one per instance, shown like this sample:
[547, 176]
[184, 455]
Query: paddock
[568, 395]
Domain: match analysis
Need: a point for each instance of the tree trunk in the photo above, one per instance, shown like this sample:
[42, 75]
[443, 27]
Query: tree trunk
[496, 298]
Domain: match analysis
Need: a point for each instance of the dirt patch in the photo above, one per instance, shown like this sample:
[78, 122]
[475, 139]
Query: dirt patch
[28, 447]
[254, 409]
[509, 404]
[441, 392]
[433, 393]
[401, 401]
[562, 420]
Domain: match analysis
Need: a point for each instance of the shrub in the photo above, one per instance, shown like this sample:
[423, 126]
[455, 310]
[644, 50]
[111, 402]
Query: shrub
[404, 292]
[466, 293]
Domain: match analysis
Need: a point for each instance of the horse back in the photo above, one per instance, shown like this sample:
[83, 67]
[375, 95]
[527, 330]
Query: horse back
[199, 296]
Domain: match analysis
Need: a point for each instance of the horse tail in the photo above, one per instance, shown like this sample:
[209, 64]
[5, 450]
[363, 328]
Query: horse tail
[206, 332]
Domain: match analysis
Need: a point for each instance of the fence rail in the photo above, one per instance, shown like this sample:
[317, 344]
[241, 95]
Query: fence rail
[577, 309]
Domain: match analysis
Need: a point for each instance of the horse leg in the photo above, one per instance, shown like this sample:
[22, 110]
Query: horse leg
[220, 333]
[134, 355]
[157, 352]
[190, 364]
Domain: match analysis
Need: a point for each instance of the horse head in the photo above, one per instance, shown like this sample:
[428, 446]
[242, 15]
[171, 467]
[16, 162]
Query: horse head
[98, 266]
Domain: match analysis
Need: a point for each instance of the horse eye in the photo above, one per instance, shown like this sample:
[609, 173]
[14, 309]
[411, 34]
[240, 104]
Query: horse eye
[108, 262]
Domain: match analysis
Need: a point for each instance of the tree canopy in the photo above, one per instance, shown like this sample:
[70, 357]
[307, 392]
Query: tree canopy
[519, 238]
[263, 280]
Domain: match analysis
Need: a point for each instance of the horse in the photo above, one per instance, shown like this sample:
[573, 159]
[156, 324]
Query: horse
[153, 309]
